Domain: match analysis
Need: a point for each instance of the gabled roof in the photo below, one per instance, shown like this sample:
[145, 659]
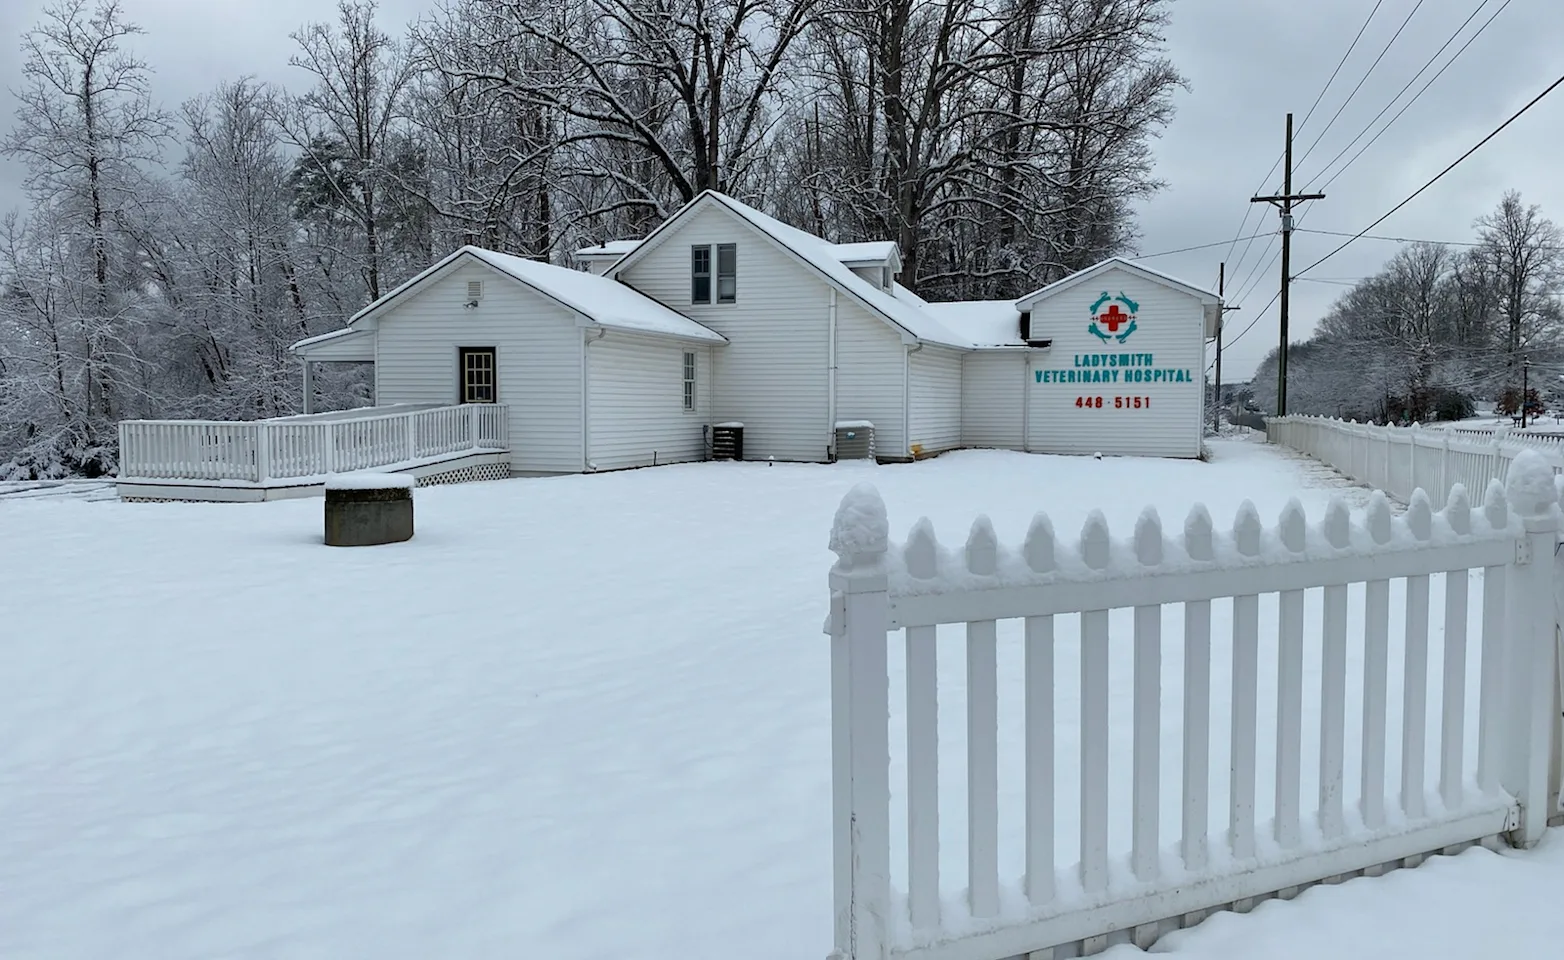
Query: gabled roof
[603, 301]
[867, 251]
[598, 300]
[613, 248]
[893, 306]
[1031, 300]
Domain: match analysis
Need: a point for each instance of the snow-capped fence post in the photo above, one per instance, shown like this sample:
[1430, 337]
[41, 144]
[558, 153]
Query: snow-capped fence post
[860, 709]
[263, 453]
[1532, 633]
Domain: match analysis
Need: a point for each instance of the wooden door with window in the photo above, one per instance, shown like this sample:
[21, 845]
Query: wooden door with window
[479, 381]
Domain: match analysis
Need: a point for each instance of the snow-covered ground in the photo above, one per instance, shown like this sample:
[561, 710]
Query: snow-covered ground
[581, 717]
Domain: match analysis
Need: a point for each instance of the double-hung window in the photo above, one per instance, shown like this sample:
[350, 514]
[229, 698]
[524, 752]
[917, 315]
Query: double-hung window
[689, 380]
[727, 272]
[700, 274]
[724, 272]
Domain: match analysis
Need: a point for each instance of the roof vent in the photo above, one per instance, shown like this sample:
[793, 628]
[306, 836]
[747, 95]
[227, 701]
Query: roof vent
[474, 290]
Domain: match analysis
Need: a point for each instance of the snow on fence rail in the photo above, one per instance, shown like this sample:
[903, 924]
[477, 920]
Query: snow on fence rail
[1399, 460]
[914, 588]
[289, 448]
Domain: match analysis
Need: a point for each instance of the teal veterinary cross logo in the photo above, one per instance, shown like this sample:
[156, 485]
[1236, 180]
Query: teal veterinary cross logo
[1107, 312]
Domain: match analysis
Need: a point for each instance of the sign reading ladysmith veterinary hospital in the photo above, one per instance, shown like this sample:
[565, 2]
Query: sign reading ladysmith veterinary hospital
[1113, 322]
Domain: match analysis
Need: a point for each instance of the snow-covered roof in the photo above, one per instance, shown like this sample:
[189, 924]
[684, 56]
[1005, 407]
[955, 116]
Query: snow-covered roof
[1147, 273]
[326, 337]
[866, 251]
[607, 302]
[613, 248]
[897, 306]
[987, 323]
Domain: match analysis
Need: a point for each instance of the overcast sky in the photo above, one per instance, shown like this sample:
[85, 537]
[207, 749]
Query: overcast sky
[1248, 63]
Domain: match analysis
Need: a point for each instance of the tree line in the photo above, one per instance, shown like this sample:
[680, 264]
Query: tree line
[168, 257]
[1439, 328]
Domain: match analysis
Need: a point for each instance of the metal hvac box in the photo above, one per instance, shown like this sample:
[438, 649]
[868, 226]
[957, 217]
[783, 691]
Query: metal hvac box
[855, 440]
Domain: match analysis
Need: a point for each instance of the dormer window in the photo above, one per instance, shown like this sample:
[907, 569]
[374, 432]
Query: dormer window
[1026, 324]
[885, 277]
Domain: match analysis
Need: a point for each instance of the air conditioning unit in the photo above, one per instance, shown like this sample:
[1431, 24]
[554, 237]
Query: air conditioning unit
[854, 440]
[727, 441]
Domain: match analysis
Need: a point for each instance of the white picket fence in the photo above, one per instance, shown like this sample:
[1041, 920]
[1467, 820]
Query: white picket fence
[1477, 771]
[288, 448]
[1399, 460]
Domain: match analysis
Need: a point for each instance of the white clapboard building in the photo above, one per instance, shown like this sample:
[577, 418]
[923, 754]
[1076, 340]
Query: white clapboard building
[724, 315]
[722, 321]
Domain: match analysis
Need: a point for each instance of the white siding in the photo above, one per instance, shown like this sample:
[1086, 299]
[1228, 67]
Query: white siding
[635, 391]
[772, 376]
[1169, 327]
[538, 355]
[934, 396]
[869, 363]
[993, 391]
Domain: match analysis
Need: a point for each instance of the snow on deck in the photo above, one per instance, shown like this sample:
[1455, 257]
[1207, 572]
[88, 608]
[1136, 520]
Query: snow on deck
[577, 717]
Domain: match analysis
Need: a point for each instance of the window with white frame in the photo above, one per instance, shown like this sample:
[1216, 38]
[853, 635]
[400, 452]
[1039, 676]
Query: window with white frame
[727, 272]
[714, 282]
[477, 371]
[700, 274]
[689, 379]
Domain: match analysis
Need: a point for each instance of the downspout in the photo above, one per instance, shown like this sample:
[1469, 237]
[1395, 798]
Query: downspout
[830, 382]
[586, 420]
[1026, 404]
[309, 388]
[906, 399]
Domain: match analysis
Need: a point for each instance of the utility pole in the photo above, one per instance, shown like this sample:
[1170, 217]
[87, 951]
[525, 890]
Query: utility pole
[1284, 203]
[1221, 321]
[1525, 387]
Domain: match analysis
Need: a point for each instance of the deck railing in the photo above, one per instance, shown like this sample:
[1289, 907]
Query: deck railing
[290, 448]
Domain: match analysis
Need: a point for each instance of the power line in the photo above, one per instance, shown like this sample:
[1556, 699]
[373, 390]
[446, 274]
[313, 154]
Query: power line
[1497, 130]
[1414, 99]
[1256, 319]
[1363, 80]
[1245, 222]
[1198, 246]
[1386, 108]
[1370, 236]
[1343, 62]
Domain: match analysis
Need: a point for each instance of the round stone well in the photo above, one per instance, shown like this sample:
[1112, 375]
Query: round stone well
[367, 509]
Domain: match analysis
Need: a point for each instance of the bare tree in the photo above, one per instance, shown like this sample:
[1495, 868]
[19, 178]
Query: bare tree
[85, 125]
[345, 125]
[1522, 249]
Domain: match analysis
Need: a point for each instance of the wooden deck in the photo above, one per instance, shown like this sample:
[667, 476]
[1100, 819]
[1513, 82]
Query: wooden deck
[225, 461]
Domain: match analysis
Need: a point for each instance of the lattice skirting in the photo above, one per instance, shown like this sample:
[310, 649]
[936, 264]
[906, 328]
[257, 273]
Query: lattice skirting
[482, 471]
[160, 500]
